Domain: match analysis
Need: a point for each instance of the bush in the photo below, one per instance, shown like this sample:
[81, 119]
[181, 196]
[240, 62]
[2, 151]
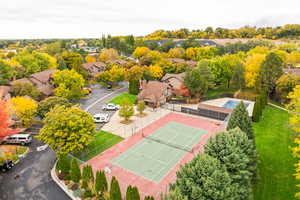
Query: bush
[141, 106]
[47, 104]
[100, 183]
[63, 164]
[25, 89]
[75, 171]
[87, 173]
[256, 110]
[87, 194]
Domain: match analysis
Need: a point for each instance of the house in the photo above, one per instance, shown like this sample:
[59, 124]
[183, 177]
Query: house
[41, 80]
[176, 83]
[4, 93]
[295, 71]
[190, 63]
[94, 68]
[154, 93]
[118, 62]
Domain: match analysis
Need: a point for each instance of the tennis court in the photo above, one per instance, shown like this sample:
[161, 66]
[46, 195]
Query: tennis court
[155, 155]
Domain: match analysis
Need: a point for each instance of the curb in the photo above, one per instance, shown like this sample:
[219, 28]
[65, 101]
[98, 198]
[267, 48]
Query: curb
[278, 107]
[61, 184]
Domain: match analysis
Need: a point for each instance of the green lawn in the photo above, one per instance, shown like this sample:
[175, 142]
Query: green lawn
[102, 141]
[219, 91]
[118, 100]
[273, 139]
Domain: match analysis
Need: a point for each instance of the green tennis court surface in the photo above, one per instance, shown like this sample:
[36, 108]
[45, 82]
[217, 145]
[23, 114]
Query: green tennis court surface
[153, 160]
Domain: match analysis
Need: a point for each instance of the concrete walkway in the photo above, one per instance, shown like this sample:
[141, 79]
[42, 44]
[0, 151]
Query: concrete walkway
[114, 126]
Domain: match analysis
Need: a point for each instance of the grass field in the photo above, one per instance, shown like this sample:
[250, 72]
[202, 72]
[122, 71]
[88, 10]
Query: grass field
[219, 91]
[273, 139]
[118, 100]
[103, 140]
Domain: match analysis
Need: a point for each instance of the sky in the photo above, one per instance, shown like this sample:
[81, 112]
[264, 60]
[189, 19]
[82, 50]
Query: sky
[35, 19]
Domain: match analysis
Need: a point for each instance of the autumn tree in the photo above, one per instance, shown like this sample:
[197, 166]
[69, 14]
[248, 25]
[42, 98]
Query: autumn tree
[67, 129]
[5, 129]
[133, 75]
[108, 55]
[90, 59]
[151, 58]
[176, 53]
[17, 69]
[114, 75]
[6, 73]
[270, 71]
[68, 84]
[238, 75]
[47, 104]
[140, 52]
[25, 89]
[155, 71]
[23, 109]
[252, 69]
[126, 110]
[285, 84]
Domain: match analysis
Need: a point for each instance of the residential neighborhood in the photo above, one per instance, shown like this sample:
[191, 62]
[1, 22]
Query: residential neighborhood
[160, 113]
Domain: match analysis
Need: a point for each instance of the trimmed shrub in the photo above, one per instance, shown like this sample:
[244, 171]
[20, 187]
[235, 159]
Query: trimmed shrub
[149, 198]
[115, 192]
[100, 183]
[133, 87]
[256, 110]
[75, 171]
[63, 164]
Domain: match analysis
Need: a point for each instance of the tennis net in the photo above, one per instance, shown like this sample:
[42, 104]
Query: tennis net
[176, 146]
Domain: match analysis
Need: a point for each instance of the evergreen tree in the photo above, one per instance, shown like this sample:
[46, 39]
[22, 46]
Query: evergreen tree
[149, 198]
[115, 192]
[264, 99]
[256, 110]
[100, 183]
[75, 171]
[129, 193]
[240, 118]
[133, 87]
[204, 178]
[135, 194]
[236, 152]
[63, 163]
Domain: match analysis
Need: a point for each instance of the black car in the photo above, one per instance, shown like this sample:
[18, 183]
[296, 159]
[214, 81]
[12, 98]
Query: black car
[6, 165]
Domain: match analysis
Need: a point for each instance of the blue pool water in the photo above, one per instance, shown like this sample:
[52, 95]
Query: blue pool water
[231, 104]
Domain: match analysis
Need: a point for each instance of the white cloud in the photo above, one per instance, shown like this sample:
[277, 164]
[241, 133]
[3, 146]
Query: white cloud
[81, 18]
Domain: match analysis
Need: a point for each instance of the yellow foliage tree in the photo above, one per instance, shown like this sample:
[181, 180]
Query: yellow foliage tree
[252, 67]
[155, 71]
[134, 73]
[115, 74]
[90, 59]
[294, 120]
[293, 58]
[108, 54]
[176, 53]
[24, 109]
[191, 53]
[258, 50]
[140, 52]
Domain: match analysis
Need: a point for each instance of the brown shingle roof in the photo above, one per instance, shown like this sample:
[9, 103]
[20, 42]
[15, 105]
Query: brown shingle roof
[152, 91]
[175, 80]
[99, 65]
[43, 76]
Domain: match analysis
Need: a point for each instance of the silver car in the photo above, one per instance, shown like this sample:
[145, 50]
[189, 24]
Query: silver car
[110, 106]
[18, 139]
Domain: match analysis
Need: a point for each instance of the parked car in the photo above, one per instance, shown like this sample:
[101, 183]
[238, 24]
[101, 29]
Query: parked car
[110, 106]
[109, 87]
[6, 165]
[18, 139]
[87, 90]
[101, 118]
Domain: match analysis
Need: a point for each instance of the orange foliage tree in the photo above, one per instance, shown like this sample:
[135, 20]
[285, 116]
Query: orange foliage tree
[4, 122]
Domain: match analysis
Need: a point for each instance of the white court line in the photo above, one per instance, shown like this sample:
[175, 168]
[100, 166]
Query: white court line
[90, 106]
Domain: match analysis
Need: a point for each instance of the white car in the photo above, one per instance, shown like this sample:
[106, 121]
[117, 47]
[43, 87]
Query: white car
[18, 139]
[101, 118]
[110, 106]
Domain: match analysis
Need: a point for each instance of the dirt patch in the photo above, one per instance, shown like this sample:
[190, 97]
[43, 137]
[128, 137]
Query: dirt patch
[141, 115]
[126, 122]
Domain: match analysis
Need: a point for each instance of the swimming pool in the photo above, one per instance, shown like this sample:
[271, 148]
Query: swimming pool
[231, 104]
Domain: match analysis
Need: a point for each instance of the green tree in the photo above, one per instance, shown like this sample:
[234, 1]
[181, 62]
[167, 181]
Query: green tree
[6, 73]
[205, 178]
[270, 71]
[67, 129]
[134, 87]
[63, 163]
[198, 80]
[238, 76]
[135, 194]
[152, 198]
[129, 195]
[240, 118]
[141, 107]
[126, 110]
[257, 110]
[74, 61]
[285, 84]
[234, 150]
[68, 84]
[47, 104]
[25, 89]
[75, 171]
[115, 192]
[100, 183]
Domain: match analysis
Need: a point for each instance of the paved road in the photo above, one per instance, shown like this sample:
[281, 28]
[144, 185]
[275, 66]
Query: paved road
[35, 182]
